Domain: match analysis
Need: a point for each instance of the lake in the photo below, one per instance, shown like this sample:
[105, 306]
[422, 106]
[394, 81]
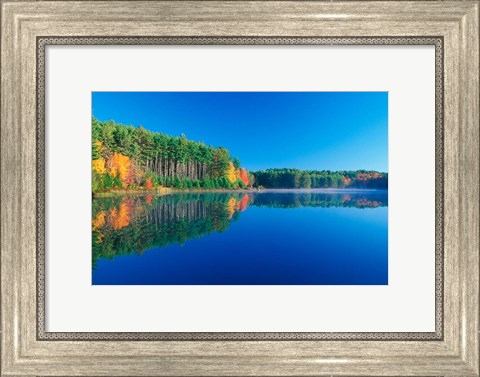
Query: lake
[274, 237]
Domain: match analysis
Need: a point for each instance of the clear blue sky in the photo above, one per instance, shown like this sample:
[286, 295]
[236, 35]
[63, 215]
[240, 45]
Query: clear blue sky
[304, 130]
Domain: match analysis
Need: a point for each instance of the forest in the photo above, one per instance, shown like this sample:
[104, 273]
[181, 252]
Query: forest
[294, 178]
[133, 158]
[127, 157]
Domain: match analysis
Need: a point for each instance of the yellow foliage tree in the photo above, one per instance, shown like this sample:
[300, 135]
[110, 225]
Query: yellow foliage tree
[99, 166]
[120, 165]
[231, 175]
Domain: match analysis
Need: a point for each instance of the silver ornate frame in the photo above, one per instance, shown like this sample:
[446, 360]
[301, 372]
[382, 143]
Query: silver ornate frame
[42, 42]
[453, 26]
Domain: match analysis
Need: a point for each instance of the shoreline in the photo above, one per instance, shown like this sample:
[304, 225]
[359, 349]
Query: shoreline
[161, 191]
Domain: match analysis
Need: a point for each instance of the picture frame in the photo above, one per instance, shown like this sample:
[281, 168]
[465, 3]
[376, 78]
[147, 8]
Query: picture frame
[27, 27]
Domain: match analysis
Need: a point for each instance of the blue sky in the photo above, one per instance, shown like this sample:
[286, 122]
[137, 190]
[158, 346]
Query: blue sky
[304, 130]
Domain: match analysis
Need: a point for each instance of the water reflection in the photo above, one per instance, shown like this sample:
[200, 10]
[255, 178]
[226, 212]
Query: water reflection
[134, 224]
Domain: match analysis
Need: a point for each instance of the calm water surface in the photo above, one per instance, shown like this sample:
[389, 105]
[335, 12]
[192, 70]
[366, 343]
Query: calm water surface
[270, 237]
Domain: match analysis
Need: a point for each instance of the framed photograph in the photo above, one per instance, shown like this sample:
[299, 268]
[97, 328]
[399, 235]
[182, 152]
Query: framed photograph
[218, 188]
[165, 207]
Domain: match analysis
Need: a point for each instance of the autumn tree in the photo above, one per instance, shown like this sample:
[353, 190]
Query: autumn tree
[120, 167]
[99, 166]
[148, 183]
[231, 175]
[243, 175]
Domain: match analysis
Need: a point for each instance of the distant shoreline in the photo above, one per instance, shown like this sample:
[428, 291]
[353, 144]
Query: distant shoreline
[168, 191]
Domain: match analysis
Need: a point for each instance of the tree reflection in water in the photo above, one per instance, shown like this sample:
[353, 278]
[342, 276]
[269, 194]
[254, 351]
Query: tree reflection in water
[133, 224]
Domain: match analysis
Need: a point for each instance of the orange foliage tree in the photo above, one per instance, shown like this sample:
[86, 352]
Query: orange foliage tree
[243, 175]
[148, 184]
[120, 165]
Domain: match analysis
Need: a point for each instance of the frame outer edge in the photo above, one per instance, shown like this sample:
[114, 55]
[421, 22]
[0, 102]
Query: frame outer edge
[9, 203]
[10, 141]
[469, 201]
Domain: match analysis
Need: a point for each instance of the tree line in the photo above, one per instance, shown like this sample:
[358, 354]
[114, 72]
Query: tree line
[127, 157]
[295, 178]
